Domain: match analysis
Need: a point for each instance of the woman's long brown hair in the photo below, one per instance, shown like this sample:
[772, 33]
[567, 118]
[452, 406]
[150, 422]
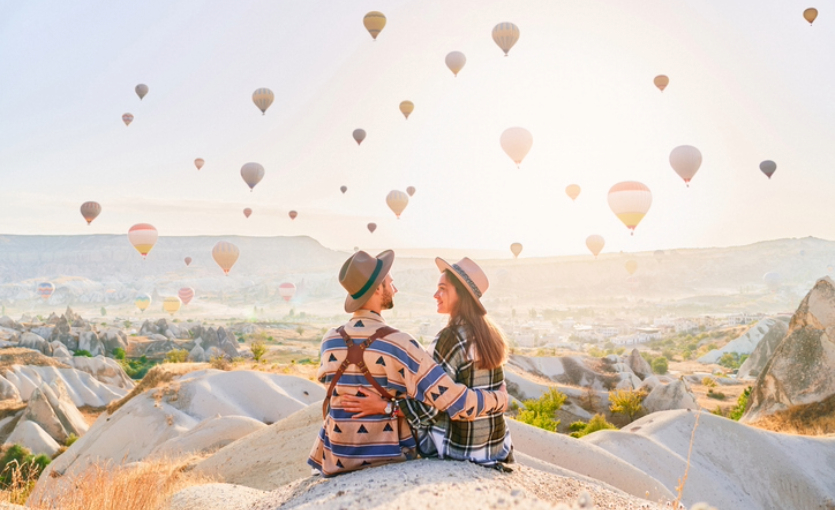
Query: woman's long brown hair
[488, 339]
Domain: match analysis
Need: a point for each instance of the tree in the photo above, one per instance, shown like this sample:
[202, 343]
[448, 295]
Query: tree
[258, 350]
[597, 422]
[541, 412]
[660, 365]
[300, 330]
[626, 402]
[103, 311]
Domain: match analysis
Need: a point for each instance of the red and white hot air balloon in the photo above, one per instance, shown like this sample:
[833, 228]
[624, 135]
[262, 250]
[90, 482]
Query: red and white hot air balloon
[287, 291]
[186, 294]
[143, 237]
[90, 210]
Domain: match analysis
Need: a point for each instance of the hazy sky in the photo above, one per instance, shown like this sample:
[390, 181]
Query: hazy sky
[749, 80]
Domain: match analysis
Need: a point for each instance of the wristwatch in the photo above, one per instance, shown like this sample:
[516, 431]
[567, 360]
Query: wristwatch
[389, 409]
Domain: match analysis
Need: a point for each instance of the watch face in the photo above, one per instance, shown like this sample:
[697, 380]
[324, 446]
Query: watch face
[388, 408]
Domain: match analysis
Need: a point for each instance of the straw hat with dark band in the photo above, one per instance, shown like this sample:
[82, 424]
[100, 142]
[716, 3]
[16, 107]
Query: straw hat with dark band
[468, 273]
[361, 274]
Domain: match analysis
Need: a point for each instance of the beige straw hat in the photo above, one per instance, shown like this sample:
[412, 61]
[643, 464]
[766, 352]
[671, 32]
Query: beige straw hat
[361, 274]
[468, 273]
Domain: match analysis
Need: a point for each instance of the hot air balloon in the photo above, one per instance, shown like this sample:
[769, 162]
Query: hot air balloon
[127, 119]
[247, 212]
[171, 304]
[186, 294]
[199, 163]
[374, 22]
[45, 290]
[225, 254]
[263, 98]
[397, 201]
[573, 191]
[768, 167]
[595, 244]
[411, 191]
[772, 280]
[810, 15]
[686, 160]
[286, 291]
[359, 135]
[141, 90]
[188, 261]
[143, 301]
[631, 266]
[455, 61]
[143, 237]
[516, 142]
[252, 173]
[90, 210]
[630, 201]
[661, 81]
[343, 189]
[372, 227]
[505, 34]
[293, 215]
[516, 249]
[406, 108]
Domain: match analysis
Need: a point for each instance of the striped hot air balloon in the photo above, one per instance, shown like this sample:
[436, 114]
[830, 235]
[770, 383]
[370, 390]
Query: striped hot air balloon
[142, 301]
[374, 22]
[505, 35]
[90, 210]
[127, 119]
[287, 291]
[406, 108]
[252, 173]
[45, 290]
[143, 237]
[186, 294]
[397, 202]
[225, 254]
[171, 304]
[263, 98]
[630, 202]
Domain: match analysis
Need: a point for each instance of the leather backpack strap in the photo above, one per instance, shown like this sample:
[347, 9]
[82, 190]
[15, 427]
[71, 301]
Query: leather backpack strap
[380, 333]
[339, 371]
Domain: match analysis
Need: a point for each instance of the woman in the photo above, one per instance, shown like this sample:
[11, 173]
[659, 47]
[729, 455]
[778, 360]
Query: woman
[472, 350]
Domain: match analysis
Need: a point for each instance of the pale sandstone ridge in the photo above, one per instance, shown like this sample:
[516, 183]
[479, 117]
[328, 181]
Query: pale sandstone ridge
[768, 330]
[802, 369]
[753, 366]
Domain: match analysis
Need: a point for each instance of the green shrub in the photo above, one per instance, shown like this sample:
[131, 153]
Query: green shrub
[660, 365]
[82, 352]
[577, 426]
[627, 402]
[597, 422]
[710, 382]
[70, 440]
[119, 353]
[258, 350]
[541, 412]
[29, 467]
[667, 353]
[176, 356]
[741, 403]
[717, 395]
[647, 356]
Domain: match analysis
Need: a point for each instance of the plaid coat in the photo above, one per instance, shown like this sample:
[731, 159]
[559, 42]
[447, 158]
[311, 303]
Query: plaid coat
[401, 366]
[485, 440]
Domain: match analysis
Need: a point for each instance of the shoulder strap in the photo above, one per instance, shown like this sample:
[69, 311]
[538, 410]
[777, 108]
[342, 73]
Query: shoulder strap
[355, 357]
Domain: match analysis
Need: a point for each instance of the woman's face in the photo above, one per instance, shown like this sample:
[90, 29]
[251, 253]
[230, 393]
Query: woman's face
[446, 296]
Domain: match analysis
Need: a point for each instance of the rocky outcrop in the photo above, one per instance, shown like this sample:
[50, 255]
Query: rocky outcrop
[35, 342]
[753, 366]
[666, 397]
[89, 341]
[51, 408]
[769, 330]
[598, 373]
[802, 369]
[106, 370]
[638, 364]
[30, 435]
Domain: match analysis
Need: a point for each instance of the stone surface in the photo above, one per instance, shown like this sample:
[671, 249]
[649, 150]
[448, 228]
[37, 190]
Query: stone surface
[106, 370]
[769, 329]
[638, 364]
[51, 408]
[753, 366]
[36, 342]
[33, 437]
[674, 395]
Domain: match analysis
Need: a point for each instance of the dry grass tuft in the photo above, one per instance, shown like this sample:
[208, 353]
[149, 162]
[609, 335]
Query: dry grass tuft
[683, 480]
[21, 481]
[23, 356]
[817, 419]
[138, 486]
[156, 377]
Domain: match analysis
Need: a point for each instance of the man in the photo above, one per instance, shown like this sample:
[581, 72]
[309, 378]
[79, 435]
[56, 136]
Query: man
[388, 362]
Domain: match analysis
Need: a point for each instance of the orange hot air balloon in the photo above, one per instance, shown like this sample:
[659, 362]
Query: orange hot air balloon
[516, 249]
[343, 189]
[630, 201]
[573, 191]
[595, 244]
[90, 210]
[247, 212]
[287, 291]
[374, 22]
[143, 237]
[225, 254]
[127, 119]
[359, 135]
[188, 261]
[199, 162]
[810, 15]
[293, 215]
[661, 81]
[372, 227]
[186, 294]
[406, 108]
[411, 191]
[631, 266]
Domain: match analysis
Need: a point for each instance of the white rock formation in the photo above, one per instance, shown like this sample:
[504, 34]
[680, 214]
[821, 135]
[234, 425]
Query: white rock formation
[106, 370]
[83, 388]
[30, 435]
[51, 408]
[745, 344]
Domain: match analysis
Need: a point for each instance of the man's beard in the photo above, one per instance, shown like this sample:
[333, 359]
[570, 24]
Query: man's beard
[388, 300]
